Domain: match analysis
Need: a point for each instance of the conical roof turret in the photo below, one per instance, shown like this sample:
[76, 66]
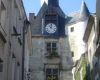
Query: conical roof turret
[84, 12]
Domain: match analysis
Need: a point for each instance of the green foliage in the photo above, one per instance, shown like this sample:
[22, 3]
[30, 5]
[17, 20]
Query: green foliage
[52, 53]
[51, 78]
[84, 71]
[77, 75]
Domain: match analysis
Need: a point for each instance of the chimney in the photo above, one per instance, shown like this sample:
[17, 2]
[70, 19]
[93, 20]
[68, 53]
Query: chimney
[31, 17]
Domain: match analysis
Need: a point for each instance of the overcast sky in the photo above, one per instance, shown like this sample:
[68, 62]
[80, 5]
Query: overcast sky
[68, 6]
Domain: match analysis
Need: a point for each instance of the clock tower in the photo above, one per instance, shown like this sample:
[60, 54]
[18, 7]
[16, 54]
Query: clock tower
[51, 57]
[53, 20]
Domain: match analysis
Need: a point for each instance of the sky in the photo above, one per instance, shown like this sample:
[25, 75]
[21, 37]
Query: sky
[68, 6]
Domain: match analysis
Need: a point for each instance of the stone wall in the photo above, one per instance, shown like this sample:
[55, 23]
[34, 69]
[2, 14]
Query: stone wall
[38, 61]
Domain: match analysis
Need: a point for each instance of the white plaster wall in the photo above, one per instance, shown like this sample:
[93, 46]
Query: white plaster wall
[76, 38]
[42, 1]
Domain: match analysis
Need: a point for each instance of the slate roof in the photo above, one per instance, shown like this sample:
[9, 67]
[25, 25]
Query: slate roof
[37, 24]
[83, 14]
[72, 17]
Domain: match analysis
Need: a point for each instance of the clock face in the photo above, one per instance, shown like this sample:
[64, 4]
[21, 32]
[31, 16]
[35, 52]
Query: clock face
[51, 28]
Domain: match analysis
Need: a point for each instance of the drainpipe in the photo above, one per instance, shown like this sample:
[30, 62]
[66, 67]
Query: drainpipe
[25, 28]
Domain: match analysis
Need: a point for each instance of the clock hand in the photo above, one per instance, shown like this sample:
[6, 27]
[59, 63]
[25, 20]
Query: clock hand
[50, 26]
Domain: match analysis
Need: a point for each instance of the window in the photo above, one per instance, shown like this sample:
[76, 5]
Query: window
[51, 46]
[51, 74]
[72, 29]
[72, 54]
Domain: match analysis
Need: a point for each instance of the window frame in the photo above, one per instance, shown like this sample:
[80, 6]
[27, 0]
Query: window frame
[72, 54]
[51, 46]
[52, 74]
[72, 29]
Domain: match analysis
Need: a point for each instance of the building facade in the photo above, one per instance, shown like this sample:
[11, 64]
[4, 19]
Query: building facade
[76, 24]
[28, 52]
[57, 41]
[98, 29]
[12, 16]
[51, 51]
[91, 38]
